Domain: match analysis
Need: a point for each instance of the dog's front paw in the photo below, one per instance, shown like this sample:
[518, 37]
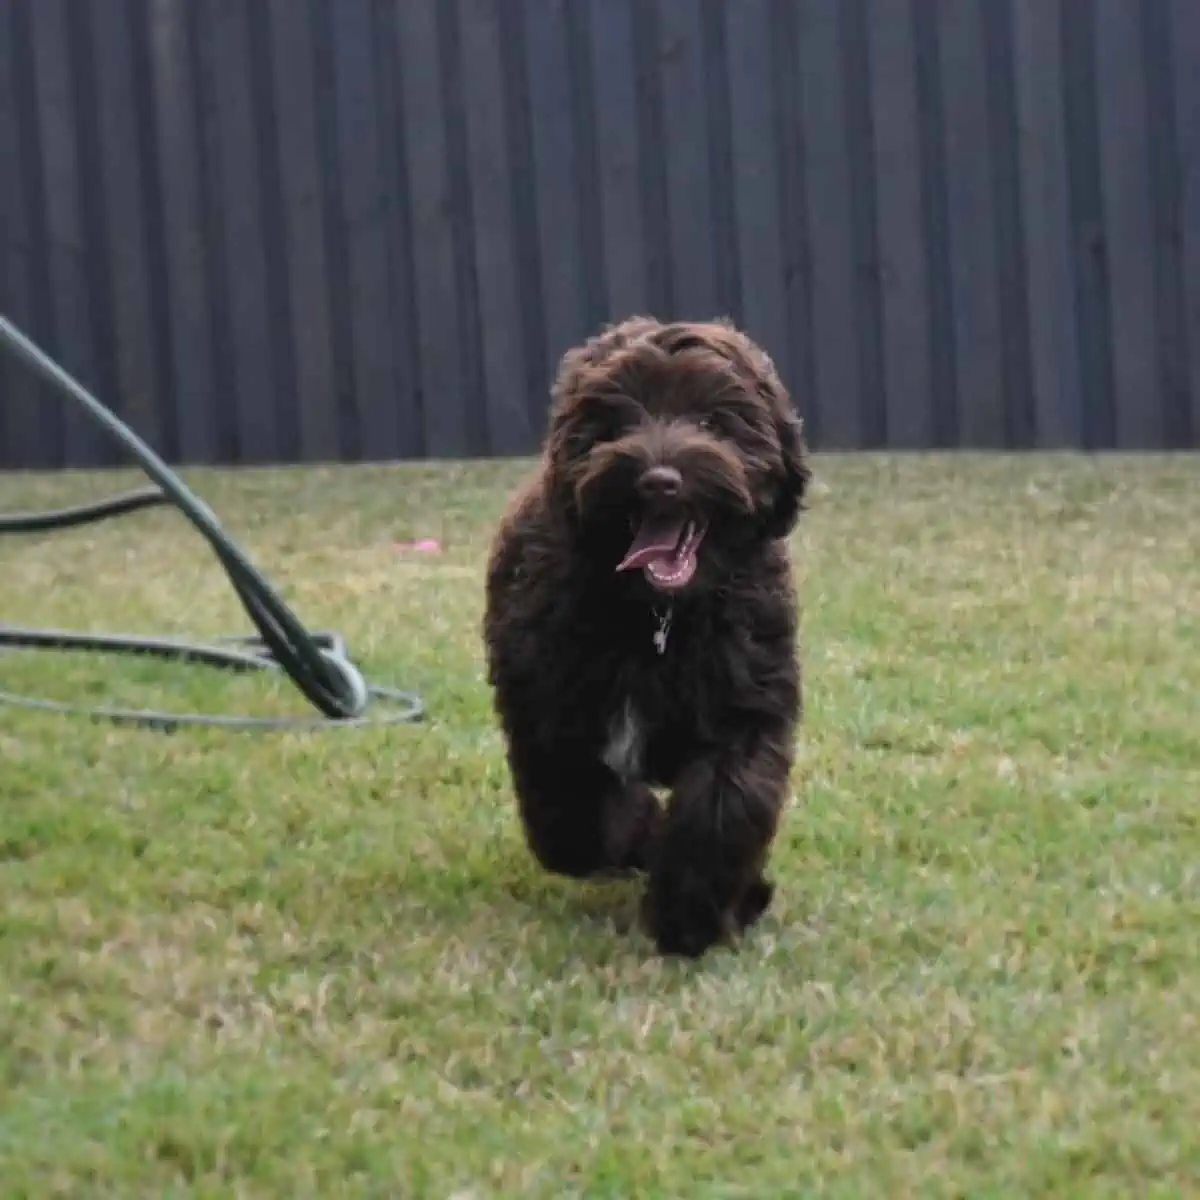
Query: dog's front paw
[685, 916]
[681, 913]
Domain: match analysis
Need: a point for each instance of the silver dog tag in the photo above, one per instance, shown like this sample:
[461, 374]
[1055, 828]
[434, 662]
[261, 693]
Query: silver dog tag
[660, 634]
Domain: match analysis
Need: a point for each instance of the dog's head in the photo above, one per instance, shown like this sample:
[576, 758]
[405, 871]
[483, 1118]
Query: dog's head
[673, 448]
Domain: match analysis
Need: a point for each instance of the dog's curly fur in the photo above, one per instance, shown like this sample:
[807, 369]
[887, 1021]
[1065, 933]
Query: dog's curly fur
[594, 716]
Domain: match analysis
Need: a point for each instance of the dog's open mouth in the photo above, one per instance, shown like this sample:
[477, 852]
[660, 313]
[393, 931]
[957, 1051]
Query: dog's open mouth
[665, 550]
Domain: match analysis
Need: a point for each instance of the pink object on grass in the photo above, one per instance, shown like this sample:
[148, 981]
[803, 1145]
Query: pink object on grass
[425, 545]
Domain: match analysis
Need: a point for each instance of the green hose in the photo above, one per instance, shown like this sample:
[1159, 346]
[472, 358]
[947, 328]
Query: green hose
[317, 663]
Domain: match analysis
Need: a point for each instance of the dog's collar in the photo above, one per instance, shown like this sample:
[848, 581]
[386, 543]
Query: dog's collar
[663, 616]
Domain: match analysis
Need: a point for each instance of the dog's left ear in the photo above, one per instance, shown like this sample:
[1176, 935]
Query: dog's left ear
[791, 484]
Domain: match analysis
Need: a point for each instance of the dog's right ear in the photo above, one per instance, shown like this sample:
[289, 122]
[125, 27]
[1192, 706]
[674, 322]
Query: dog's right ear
[556, 447]
[791, 486]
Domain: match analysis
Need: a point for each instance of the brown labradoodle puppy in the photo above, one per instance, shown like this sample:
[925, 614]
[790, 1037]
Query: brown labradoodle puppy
[641, 618]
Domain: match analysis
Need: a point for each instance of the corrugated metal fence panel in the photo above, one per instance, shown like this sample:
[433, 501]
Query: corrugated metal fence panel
[299, 230]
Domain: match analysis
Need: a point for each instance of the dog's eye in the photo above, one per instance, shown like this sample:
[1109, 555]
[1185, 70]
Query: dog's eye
[612, 417]
[608, 432]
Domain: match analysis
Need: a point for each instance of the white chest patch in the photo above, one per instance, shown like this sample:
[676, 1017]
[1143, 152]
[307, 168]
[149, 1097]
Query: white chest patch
[623, 753]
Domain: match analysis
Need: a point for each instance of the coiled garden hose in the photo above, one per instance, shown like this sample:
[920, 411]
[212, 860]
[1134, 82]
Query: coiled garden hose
[317, 663]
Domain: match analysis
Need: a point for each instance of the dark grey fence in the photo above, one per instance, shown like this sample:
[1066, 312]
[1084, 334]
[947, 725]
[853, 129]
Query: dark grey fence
[287, 230]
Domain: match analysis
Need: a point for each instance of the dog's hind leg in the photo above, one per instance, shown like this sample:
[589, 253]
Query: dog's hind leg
[579, 818]
[755, 901]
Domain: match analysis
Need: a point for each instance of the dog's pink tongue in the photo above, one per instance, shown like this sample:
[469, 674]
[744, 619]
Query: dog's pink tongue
[656, 541]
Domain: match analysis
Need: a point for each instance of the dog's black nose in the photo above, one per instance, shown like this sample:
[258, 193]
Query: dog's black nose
[660, 483]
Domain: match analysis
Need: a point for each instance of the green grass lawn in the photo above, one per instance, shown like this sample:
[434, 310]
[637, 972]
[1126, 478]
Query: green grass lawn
[324, 964]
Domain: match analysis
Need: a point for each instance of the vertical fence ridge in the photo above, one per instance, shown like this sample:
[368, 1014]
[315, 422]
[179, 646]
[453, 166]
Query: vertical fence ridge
[1004, 132]
[554, 174]
[20, 425]
[903, 276]
[1121, 100]
[1185, 81]
[474, 437]
[191, 378]
[855, 63]
[96, 355]
[1088, 230]
[623, 238]
[294, 230]
[526, 218]
[755, 199]
[714, 59]
[146, 118]
[1043, 175]
[279, 289]
[797, 356]
[54, 212]
[936, 226]
[1166, 196]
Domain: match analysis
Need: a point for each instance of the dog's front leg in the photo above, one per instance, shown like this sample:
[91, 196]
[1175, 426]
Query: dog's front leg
[706, 881]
